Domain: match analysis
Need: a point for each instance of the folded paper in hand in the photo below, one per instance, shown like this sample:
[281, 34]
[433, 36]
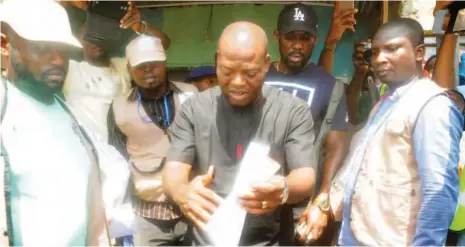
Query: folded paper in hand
[228, 220]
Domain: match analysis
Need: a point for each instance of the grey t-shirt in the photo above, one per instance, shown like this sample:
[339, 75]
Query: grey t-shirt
[207, 131]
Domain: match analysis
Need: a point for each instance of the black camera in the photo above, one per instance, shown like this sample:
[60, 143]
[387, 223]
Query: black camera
[367, 54]
[103, 22]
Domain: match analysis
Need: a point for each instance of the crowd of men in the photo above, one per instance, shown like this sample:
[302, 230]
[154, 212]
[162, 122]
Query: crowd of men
[81, 139]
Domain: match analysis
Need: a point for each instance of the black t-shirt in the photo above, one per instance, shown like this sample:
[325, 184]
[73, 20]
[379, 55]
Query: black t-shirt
[207, 131]
[315, 86]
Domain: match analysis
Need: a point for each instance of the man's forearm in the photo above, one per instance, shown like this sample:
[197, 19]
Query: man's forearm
[175, 179]
[334, 157]
[165, 40]
[300, 183]
[444, 67]
[326, 59]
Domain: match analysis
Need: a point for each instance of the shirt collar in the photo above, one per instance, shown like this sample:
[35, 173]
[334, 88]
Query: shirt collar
[400, 90]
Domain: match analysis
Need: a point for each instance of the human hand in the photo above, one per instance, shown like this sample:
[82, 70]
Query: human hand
[198, 202]
[264, 197]
[78, 4]
[132, 19]
[341, 21]
[358, 58]
[314, 222]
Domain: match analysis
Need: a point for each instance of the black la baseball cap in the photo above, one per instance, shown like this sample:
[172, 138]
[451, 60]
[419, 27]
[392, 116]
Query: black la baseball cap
[298, 17]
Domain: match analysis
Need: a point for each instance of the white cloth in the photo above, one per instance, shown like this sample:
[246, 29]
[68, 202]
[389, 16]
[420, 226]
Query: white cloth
[50, 172]
[90, 90]
[115, 175]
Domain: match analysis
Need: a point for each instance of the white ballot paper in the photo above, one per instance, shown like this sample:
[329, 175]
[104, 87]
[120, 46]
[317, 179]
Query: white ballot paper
[226, 224]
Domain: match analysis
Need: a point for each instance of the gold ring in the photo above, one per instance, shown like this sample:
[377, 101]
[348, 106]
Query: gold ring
[264, 204]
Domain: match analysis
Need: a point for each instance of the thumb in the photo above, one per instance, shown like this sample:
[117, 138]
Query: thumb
[208, 178]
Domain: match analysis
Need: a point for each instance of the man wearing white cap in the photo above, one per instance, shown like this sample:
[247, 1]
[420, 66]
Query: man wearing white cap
[139, 127]
[49, 172]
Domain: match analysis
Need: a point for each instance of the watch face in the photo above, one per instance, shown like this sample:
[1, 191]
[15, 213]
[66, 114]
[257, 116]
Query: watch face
[324, 205]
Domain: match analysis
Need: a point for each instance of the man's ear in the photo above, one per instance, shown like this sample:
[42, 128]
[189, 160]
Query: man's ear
[315, 40]
[5, 46]
[267, 62]
[276, 35]
[420, 52]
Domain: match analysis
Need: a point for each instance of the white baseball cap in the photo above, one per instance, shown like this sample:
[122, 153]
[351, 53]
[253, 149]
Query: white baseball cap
[144, 49]
[38, 20]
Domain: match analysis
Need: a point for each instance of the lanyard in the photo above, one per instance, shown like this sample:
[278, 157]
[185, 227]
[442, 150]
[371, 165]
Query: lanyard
[166, 116]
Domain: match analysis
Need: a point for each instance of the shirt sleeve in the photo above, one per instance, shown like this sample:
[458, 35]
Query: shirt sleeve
[121, 65]
[436, 140]
[182, 147]
[300, 151]
[340, 119]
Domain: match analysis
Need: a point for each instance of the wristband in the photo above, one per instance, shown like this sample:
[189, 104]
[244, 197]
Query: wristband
[144, 24]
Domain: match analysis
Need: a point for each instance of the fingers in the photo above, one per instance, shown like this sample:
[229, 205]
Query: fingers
[131, 18]
[126, 17]
[262, 196]
[208, 178]
[316, 223]
[189, 213]
[267, 188]
[210, 196]
[362, 43]
[258, 205]
[304, 216]
[275, 185]
[348, 13]
[199, 208]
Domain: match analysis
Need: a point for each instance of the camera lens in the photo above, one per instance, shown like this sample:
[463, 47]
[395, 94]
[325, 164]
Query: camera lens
[367, 56]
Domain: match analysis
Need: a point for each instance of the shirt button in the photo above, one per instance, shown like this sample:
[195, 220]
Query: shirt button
[5, 233]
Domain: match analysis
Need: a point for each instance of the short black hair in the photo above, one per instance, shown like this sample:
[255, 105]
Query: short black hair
[403, 27]
[429, 65]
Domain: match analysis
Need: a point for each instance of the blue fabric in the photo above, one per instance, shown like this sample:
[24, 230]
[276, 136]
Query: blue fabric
[436, 140]
[461, 89]
[201, 72]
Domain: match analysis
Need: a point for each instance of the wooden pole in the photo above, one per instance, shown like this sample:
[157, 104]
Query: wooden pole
[385, 16]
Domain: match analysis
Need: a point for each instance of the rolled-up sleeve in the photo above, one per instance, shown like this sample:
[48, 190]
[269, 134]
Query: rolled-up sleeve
[300, 151]
[182, 148]
[436, 140]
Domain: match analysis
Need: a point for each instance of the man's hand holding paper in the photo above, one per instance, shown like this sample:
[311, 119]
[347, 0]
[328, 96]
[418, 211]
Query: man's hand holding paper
[198, 202]
[264, 197]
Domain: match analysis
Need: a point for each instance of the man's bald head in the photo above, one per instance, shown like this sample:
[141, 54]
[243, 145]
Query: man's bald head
[242, 62]
[242, 36]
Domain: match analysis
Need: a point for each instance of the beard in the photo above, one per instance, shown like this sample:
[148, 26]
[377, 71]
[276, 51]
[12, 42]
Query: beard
[294, 66]
[43, 85]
